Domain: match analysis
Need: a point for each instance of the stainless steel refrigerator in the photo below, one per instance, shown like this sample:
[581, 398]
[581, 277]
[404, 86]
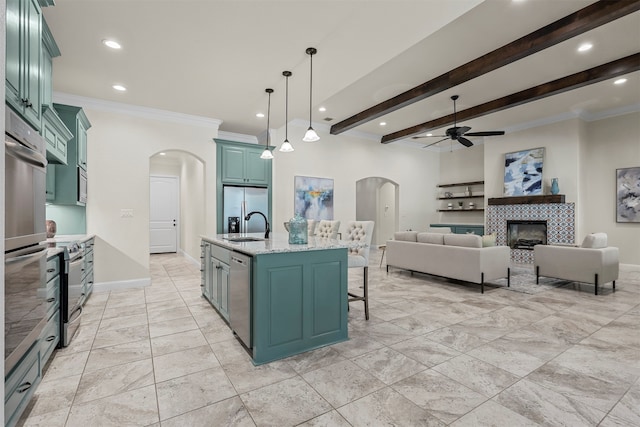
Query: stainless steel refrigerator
[238, 202]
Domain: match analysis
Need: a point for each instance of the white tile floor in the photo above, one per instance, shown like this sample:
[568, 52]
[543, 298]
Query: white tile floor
[433, 353]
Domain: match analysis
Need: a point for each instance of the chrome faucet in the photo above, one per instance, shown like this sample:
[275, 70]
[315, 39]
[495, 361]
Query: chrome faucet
[266, 222]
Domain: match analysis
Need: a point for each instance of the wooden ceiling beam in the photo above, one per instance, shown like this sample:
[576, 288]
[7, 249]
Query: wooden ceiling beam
[586, 19]
[597, 74]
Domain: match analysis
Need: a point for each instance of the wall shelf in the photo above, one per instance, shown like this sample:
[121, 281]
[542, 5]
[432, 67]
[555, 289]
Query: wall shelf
[480, 196]
[461, 184]
[473, 190]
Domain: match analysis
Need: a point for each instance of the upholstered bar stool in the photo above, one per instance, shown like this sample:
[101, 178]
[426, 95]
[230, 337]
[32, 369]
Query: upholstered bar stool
[327, 229]
[361, 232]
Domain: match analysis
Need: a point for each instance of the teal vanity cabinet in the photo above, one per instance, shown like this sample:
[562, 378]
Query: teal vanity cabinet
[53, 130]
[240, 163]
[71, 179]
[216, 278]
[23, 59]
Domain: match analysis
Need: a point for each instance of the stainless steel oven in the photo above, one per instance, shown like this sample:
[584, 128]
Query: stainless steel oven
[72, 296]
[25, 229]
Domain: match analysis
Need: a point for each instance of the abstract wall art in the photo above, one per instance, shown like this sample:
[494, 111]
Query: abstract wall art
[523, 172]
[313, 197]
[628, 195]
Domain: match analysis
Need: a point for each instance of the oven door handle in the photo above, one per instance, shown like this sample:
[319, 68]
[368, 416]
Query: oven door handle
[25, 154]
[24, 257]
[78, 310]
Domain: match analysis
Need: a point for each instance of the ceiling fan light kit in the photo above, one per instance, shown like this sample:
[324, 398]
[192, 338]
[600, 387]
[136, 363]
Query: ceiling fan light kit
[266, 154]
[311, 135]
[456, 133]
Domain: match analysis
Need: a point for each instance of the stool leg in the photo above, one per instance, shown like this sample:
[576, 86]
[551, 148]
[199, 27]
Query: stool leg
[366, 293]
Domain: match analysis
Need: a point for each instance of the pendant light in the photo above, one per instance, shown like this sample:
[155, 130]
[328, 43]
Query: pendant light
[266, 154]
[310, 135]
[286, 146]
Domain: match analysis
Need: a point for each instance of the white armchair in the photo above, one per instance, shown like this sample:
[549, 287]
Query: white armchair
[361, 232]
[592, 262]
[327, 229]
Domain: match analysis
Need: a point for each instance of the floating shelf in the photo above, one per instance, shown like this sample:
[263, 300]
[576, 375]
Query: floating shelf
[461, 210]
[462, 197]
[460, 184]
[527, 200]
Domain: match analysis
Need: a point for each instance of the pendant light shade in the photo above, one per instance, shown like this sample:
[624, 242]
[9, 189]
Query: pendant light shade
[311, 135]
[286, 146]
[266, 154]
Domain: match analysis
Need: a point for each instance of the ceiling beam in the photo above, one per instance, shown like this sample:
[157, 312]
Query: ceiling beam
[586, 19]
[597, 74]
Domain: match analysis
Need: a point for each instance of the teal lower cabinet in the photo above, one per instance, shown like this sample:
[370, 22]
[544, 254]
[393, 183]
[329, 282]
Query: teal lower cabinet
[299, 302]
[462, 228]
[21, 384]
[215, 282]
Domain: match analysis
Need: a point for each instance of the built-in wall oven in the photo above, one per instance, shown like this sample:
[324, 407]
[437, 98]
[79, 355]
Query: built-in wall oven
[25, 230]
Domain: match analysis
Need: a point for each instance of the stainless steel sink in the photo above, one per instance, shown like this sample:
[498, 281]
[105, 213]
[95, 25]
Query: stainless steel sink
[245, 239]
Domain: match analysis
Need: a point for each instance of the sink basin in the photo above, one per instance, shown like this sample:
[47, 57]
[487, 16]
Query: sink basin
[244, 239]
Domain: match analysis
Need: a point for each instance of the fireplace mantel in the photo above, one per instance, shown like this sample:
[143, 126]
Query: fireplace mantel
[526, 200]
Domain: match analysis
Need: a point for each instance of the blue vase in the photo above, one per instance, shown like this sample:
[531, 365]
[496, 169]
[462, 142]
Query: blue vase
[298, 234]
[554, 186]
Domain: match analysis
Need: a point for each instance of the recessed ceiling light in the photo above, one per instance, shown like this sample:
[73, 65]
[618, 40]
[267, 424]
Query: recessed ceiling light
[584, 47]
[620, 81]
[383, 123]
[111, 43]
[163, 154]
[429, 134]
[259, 115]
[119, 88]
[322, 109]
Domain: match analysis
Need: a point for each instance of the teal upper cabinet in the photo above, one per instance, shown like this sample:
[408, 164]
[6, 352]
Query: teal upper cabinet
[71, 179]
[23, 59]
[241, 164]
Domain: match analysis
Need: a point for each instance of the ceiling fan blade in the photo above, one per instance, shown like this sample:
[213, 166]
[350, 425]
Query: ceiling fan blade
[487, 133]
[464, 141]
[429, 136]
[462, 130]
[434, 143]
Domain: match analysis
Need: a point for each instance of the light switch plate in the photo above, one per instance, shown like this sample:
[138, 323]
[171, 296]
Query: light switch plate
[126, 213]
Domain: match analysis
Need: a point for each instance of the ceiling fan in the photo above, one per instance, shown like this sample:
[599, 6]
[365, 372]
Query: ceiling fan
[458, 133]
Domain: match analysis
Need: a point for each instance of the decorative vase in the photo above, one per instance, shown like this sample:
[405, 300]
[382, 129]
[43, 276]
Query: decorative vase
[52, 228]
[298, 230]
[554, 186]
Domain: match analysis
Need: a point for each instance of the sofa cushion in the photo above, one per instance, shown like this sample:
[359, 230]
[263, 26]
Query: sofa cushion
[595, 241]
[405, 236]
[434, 238]
[466, 240]
[489, 240]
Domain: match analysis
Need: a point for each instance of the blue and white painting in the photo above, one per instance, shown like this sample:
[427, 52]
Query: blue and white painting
[628, 195]
[523, 172]
[314, 197]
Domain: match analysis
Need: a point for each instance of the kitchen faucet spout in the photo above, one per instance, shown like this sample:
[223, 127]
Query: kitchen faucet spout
[266, 222]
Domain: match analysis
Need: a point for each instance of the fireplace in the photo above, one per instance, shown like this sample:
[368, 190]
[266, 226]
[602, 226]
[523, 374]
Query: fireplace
[526, 234]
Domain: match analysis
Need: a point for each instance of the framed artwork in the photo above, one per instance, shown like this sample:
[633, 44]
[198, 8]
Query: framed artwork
[313, 197]
[628, 195]
[523, 172]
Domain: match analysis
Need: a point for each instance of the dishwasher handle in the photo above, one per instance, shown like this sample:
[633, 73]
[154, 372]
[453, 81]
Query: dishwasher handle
[237, 260]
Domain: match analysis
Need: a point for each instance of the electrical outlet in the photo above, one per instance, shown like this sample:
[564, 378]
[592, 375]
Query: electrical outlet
[126, 213]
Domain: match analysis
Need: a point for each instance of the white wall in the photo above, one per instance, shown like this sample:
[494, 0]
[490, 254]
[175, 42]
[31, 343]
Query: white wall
[193, 204]
[610, 144]
[119, 148]
[347, 159]
[462, 165]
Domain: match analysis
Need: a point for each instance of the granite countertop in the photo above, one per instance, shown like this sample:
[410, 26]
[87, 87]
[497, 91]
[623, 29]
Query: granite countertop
[277, 243]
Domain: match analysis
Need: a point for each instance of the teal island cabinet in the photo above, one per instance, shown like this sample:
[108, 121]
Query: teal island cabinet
[279, 299]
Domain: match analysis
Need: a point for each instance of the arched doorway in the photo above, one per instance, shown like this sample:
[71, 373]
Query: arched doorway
[377, 199]
[190, 173]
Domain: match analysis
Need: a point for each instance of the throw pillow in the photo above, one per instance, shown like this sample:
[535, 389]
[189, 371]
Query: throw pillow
[595, 241]
[489, 240]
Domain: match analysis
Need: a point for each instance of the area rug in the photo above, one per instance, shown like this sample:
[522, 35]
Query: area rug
[523, 279]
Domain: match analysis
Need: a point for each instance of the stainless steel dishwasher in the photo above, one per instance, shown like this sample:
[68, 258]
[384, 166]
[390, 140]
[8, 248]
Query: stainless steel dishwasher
[240, 297]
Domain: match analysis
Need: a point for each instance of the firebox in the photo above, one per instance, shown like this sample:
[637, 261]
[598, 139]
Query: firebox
[526, 234]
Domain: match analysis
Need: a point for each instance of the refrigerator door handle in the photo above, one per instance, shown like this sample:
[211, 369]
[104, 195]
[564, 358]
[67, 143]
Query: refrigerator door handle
[243, 214]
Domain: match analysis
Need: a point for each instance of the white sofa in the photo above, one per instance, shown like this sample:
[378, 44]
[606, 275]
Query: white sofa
[592, 262]
[456, 256]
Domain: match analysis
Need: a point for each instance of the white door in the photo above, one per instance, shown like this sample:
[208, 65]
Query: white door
[163, 214]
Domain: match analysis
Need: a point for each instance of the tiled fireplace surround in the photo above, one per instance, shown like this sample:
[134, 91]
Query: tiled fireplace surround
[560, 219]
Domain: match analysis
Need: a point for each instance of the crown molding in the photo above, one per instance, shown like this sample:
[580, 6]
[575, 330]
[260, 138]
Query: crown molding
[620, 111]
[237, 137]
[135, 110]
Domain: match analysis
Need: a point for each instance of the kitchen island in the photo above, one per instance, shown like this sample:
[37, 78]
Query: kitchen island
[279, 299]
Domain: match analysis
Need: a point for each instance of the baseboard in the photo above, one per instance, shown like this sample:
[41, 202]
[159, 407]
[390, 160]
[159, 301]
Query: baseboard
[630, 267]
[189, 257]
[121, 284]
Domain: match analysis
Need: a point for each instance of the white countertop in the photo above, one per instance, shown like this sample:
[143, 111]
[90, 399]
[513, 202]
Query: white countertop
[276, 243]
[69, 238]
